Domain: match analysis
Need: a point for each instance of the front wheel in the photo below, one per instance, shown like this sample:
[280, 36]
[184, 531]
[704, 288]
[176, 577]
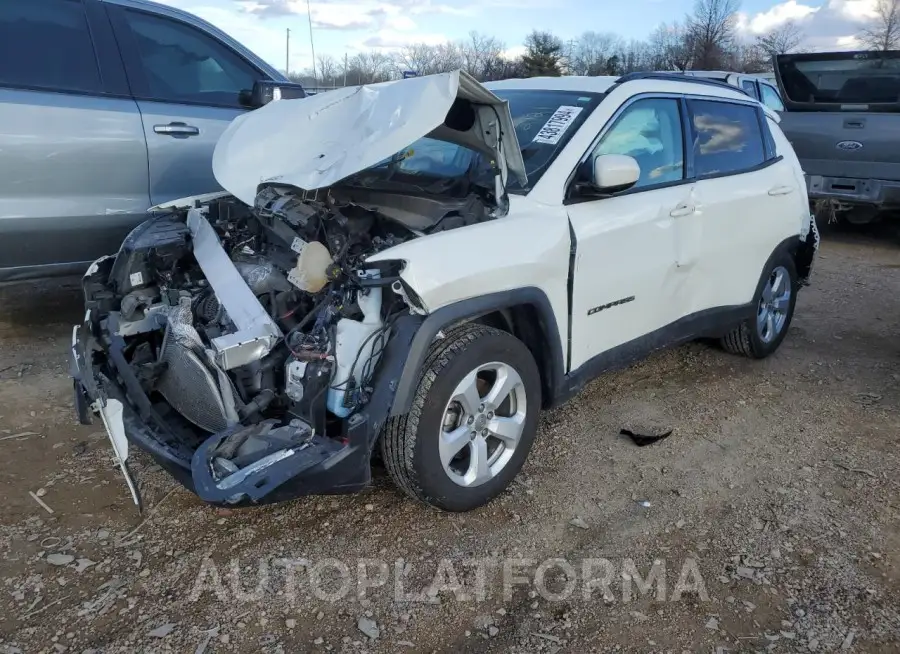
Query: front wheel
[775, 299]
[472, 422]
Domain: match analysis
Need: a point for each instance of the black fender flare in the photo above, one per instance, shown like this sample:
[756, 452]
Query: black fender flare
[472, 308]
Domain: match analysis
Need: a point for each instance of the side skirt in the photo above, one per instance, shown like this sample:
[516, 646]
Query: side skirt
[710, 323]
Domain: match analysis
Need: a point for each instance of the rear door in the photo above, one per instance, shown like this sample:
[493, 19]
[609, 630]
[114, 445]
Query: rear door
[73, 160]
[187, 84]
[749, 197]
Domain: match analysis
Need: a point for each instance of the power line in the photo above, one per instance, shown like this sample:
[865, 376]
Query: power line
[312, 46]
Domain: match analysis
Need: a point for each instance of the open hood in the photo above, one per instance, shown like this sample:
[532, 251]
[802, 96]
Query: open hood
[317, 141]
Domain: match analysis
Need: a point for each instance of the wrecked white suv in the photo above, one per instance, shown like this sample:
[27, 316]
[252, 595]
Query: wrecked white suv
[421, 266]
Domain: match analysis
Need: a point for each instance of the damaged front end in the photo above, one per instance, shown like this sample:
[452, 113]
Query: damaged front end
[243, 338]
[254, 362]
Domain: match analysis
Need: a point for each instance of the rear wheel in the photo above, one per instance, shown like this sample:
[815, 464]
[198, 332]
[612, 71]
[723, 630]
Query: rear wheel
[472, 422]
[776, 297]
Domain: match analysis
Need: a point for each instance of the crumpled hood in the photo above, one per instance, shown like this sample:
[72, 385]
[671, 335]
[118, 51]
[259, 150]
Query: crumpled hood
[317, 141]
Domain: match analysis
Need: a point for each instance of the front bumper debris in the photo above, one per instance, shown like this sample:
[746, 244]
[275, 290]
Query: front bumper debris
[807, 251]
[105, 385]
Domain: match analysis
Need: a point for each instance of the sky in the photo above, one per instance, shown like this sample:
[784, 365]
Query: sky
[350, 26]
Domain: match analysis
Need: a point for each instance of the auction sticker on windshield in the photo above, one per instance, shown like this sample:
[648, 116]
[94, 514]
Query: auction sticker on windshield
[559, 122]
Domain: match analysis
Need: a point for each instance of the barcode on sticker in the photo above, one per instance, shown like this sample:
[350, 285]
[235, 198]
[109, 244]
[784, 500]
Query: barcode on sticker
[559, 122]
[136, 279]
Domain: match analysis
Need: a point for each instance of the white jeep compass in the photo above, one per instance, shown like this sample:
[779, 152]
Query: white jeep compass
[421, 266]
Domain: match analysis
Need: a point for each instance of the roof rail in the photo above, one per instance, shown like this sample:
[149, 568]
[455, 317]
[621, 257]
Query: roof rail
[679, 77]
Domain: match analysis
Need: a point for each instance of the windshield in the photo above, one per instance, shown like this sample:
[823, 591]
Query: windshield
[842, 78]
[544, 121]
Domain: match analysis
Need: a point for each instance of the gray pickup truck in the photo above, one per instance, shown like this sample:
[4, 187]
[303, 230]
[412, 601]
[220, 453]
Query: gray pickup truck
[109, 107]
[843, 119]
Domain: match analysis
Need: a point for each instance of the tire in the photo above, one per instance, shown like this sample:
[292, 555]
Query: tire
[416, 446]
[758, 340]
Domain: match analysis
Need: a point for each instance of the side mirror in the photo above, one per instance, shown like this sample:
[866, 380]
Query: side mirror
[267, 90]
[615, 172]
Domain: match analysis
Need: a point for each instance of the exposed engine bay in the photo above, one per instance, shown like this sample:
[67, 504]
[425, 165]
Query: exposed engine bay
[255, 333]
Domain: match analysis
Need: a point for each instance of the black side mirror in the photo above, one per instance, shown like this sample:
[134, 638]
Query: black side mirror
[267, 90]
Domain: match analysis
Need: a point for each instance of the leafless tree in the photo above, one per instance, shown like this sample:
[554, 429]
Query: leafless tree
[369, 67]
[670, 47]
[590, 53]
[884, 31]
[416, 57]
[781, 40]
[747, 58]
[711, 32]
[633, 57]
[447, 57]
[481, 55]
[327, 68]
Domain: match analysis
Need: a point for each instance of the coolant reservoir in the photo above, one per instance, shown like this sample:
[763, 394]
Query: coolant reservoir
[352, 338]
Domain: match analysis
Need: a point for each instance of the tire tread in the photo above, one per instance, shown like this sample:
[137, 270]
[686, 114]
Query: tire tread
[399, 438]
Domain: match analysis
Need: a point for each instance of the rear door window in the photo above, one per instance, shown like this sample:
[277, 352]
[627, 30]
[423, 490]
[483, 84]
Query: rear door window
[47, 44]
[727, 137]
[179, 63]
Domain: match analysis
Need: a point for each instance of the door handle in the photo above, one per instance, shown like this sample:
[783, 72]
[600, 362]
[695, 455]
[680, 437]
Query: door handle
[781, 190]
[178, 130]
[682, 210]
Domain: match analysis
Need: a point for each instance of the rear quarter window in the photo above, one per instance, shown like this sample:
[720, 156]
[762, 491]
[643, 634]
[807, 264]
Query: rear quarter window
[727, 137]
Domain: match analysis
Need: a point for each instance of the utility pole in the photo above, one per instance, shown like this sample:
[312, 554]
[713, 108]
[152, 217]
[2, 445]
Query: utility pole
[312, 47]
[287, 54]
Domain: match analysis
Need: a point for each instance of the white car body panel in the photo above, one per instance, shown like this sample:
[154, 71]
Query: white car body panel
[628, 246]
[314, 142]
[529, 247]
[626, 255]
[736, 228]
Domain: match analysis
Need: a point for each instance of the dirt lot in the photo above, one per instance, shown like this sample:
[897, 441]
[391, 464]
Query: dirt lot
[775, 502]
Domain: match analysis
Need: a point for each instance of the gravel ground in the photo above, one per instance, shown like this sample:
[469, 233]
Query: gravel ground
[768, 521]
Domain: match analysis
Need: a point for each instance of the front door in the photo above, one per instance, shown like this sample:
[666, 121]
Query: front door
[187, 84]
[626, 283]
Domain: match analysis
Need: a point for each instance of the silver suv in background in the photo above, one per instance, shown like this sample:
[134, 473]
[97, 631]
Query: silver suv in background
[109, 107]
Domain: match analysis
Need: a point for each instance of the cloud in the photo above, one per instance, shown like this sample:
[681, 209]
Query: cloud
[388, 39]
[856, 10]
[849, 42]
[513, 53]
[831, 25]
[766, 21]
[352, 14]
